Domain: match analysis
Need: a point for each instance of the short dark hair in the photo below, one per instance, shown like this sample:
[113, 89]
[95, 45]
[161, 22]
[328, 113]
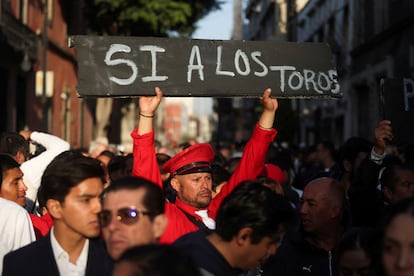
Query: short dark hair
[162, 158]
[6, 163]
[365, 239]
[66, 171]
[153, 198]
[12, 143]
[253, 205]
[108, 154]
[158, 260]
[219, 175]
[389, 176]
[352, 147]
[405, 206]
[120, 166]
[326, 144]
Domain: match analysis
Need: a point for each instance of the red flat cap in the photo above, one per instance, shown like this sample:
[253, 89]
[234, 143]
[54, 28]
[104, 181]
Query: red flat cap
[196, 158]
[274, 172]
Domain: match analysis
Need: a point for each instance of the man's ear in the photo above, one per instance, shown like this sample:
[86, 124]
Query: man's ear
[335, 211]
[175, 184]
[54, 208]
[20, 157]
[347, 166]
[386, 191]
[244, 236]
[159, 224]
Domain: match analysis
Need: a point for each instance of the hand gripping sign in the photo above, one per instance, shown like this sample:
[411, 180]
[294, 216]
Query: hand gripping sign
[131, 66]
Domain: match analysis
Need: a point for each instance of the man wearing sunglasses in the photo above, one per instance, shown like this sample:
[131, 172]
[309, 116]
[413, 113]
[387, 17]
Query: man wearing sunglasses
[71, 186]
[190, 171]
[132, 214]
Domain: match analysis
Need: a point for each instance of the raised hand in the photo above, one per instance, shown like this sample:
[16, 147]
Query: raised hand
[270, 105]
[383, 135]
[149, 104]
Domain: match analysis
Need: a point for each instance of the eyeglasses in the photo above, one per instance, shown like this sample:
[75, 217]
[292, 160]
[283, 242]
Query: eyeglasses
[127, 216]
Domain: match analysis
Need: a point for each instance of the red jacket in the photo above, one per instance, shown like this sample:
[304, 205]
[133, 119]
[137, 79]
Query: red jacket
[250, 166]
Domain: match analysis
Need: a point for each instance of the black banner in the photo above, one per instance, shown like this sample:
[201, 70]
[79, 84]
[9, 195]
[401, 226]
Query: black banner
[132, 66]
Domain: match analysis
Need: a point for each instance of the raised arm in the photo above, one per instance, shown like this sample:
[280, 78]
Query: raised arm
[254, 153]
[145, 162]
[147, 107]
[33, 168]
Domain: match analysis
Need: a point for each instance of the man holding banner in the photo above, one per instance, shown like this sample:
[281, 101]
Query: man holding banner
[190, 171]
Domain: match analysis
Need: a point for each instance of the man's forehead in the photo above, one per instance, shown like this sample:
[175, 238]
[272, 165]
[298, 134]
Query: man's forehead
[15, 172]
[316, 191]
[194, 174]
[91, 187]
[316, 196]
[127, 197]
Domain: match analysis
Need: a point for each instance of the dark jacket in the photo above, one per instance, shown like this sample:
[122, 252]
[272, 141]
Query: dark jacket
[364, 196]
[205, 255]
[37, 259]
[297, 257]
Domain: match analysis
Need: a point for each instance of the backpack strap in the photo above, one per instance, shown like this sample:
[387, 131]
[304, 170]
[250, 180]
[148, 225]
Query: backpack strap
[198, 223]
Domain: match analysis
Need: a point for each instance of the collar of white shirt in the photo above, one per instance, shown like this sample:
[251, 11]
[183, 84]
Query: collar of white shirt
[62, 258]
[209, 222]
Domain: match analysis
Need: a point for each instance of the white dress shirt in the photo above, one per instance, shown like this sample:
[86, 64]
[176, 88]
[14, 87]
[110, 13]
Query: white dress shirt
[66, 268]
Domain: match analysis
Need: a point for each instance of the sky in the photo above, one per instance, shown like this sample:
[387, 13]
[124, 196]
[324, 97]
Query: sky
[217, 24]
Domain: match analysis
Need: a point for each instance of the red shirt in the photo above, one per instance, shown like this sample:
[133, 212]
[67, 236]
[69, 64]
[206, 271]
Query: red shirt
[250, 166]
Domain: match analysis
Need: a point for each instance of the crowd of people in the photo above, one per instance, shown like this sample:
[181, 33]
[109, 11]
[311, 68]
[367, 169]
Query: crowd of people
[205, 209]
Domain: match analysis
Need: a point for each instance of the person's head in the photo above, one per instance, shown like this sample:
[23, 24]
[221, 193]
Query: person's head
[12, 186]
[97, 146]
[271, 184]
[162, 158]
[155, 260]
[252, 220]
[120, 166]
[397, 183]
[190, 174]
[358, 253]
[398, 239]
[132, 214]
[352, 153]
[15, 145]
[274, 172]
[322, 205]
[325, 152]
[105, 157]
[220, 177]
[70, 187]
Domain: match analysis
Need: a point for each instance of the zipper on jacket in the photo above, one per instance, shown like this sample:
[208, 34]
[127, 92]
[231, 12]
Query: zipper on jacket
[330, 262]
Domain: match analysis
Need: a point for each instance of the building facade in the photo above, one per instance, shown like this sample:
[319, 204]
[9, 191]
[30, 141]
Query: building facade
[33, 42]
[370, 40]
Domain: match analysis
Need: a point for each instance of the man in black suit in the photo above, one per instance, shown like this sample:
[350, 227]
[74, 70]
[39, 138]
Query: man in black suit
[70, 186]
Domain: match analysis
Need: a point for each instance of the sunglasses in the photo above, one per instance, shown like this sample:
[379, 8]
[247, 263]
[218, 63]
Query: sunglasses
[127, 216]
